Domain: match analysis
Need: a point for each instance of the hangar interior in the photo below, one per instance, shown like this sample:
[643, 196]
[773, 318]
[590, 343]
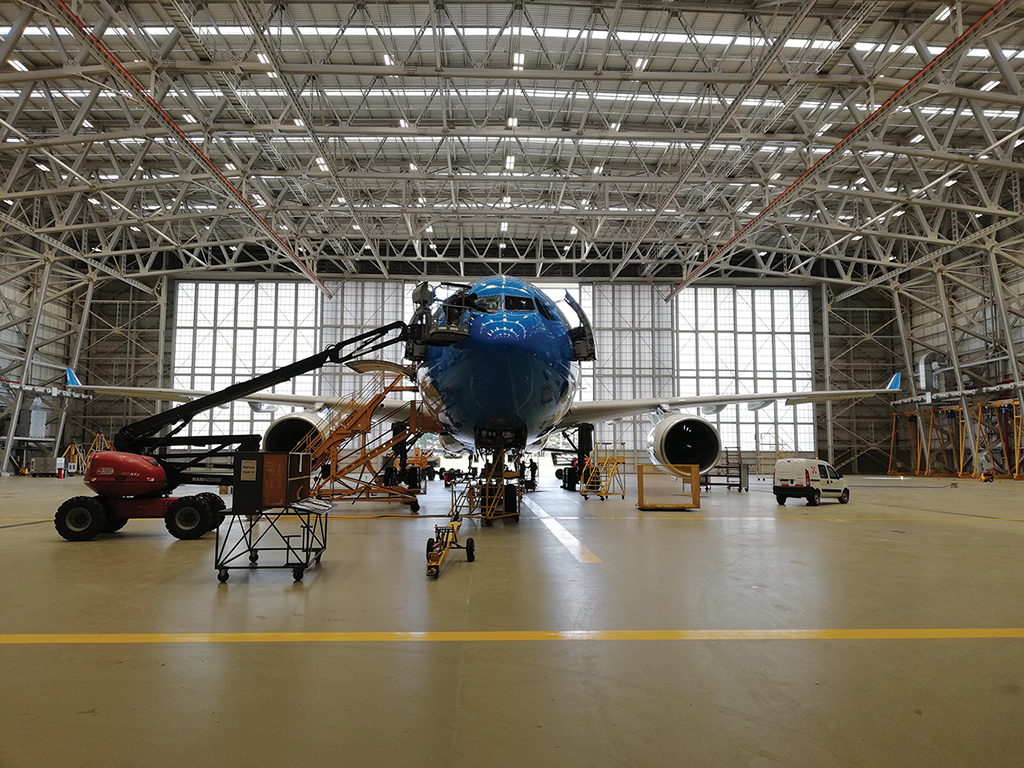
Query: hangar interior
[745, 197]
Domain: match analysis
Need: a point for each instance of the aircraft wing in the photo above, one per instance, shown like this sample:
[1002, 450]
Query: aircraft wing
[607, 410]
[397, 410]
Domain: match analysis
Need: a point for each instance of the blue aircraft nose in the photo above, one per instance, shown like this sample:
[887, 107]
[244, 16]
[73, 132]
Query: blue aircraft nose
[511, 373]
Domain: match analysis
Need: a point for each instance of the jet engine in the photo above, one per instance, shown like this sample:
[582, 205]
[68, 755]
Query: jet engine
[684, 440]
[289, 432]
[451, 446]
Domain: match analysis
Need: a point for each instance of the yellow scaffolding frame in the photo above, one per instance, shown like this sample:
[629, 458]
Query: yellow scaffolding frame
[917, 456]
[998, 435]
[691, 477]
[485, 497]
[73, 460]
[344, 451]
[601, 476]
[999, 427]
[99, 443]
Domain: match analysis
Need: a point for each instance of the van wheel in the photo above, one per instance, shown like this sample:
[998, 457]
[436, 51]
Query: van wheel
[781, 500]
[815, 498]
[844, 497]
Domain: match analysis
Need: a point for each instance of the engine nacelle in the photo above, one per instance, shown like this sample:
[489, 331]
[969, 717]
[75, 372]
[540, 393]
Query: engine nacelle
[684, 440]
[289, 432]
[451, 446]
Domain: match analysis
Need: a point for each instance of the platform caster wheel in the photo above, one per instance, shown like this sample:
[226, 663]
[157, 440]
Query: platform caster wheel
[317, 559]
[433, 572]
[253, 558]
[470, 550]
[585, 497]
[414, 507]
[297, 573]
[222, 575]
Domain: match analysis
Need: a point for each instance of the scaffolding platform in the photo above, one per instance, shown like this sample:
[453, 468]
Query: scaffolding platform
[295, 536]
[730, 472]
[601, 476]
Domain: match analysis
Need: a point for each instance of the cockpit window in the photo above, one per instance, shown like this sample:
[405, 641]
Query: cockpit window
[519, 304]
[488, 303]
[545, 307]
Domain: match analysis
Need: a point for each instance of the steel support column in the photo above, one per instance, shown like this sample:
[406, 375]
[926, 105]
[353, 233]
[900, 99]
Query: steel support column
[19, 399]
[955, 359]
[826, 307]
[73, 363]
[908, 361]
[1004, 321]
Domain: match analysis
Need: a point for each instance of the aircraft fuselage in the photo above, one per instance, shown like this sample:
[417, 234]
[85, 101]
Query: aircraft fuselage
[515, 377]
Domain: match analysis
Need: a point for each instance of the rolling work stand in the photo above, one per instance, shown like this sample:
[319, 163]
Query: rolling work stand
[272, 513]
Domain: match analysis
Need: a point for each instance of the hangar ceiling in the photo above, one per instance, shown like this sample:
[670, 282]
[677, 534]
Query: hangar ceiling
[848, 142]
[869, 148]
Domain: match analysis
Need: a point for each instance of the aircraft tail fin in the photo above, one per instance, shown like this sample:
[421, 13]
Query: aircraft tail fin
[894, 382]
[72, 378]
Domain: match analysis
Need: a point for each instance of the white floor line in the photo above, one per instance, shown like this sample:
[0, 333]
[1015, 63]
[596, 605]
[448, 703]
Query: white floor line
[570, 542]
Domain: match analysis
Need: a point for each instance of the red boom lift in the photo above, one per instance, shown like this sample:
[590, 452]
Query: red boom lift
[136, 479]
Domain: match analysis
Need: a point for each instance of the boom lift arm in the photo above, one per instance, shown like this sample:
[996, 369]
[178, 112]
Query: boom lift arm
[141, 436]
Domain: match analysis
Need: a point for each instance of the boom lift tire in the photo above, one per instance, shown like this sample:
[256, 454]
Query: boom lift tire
[815, 498]
[188, 517]
[81, 518]
[114, 523]
[430, 545]
[217, 507]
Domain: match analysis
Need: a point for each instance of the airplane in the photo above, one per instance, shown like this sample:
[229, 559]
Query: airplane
[510, 381]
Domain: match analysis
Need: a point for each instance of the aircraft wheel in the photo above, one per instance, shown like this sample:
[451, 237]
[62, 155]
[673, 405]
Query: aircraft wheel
[188, 517]
[81, 518]
[470, 550]
[844, 497]
[781, 500]
[815, 498]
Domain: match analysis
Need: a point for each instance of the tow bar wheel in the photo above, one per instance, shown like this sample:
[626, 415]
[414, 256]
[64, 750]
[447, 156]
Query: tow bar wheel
[81, 518]
[188, 517]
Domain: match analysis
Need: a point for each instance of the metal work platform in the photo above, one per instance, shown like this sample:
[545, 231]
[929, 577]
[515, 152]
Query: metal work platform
[496, 493]
[295, 534]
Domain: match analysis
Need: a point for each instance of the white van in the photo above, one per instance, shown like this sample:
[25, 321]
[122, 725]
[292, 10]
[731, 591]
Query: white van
[811, 479]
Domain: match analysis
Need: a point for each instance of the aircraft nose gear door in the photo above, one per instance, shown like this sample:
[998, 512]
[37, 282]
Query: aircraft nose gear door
[582, 337]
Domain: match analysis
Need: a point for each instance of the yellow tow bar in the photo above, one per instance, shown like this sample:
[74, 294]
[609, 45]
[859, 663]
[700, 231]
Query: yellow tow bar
[445, 539]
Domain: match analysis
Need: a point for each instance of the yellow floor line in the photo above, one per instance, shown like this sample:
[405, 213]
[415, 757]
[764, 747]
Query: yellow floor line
[794, 519]
[570, 542]
[961, 633]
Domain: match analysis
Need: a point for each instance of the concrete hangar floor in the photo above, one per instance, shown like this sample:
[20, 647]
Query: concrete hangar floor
[886, 632]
